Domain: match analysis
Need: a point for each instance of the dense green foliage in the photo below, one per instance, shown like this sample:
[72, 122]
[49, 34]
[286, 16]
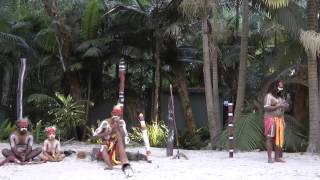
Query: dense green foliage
[74, 47]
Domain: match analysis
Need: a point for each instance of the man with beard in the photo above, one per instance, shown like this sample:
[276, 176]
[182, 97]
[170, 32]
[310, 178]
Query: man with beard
[21, 141]
[274, 124]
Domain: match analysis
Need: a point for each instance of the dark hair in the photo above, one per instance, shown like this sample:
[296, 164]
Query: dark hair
[273, 88]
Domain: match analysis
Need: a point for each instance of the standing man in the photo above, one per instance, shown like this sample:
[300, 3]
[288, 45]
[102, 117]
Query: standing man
[21, 141]
[274, 124]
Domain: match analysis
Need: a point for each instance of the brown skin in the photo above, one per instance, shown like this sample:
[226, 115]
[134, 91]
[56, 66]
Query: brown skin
[23, 154]
[270, 140]
[51, 150]
[120, 149]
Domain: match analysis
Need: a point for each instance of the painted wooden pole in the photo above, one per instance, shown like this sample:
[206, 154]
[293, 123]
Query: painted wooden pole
[122, 76]
[230, 129]
[145, 136]
[20, 87]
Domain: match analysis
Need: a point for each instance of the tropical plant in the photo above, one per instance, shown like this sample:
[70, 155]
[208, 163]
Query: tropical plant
[38, 132]
[158, 133]
[6, 128]
[198, 140]
[67, 113]
[202, 9]
[248, 133]
[313, 79]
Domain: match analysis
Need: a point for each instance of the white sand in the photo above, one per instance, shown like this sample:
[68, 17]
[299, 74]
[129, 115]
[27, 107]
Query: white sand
[201, 165]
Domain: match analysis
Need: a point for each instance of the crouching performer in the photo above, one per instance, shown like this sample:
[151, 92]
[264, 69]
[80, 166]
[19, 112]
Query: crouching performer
[51, 150]
[21, 141]
[113, 134]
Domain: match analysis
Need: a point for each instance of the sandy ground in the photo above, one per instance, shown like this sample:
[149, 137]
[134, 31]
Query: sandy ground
[202, 165]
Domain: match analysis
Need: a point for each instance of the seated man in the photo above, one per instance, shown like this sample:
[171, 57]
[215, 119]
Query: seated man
[21, 141]
[111, 130]
[51, 147]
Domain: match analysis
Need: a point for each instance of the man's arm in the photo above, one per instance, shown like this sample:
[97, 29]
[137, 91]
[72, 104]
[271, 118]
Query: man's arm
[14, 149]
[29, 144]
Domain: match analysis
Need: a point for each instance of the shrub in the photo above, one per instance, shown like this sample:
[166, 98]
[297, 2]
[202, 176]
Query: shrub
[157, 132]
[38, 132]
[200, 138]
[6, 128]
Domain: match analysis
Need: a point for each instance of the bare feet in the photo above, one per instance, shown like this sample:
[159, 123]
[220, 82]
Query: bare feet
[270, 161]
[279, 160]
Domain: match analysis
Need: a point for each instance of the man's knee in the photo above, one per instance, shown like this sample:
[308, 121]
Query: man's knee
[37, 150]
[6, 152]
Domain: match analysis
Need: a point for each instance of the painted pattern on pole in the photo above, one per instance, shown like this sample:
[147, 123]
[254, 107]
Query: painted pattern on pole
[230, 130]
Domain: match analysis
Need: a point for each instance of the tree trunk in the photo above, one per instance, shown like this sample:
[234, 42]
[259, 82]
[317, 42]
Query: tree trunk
[155, 112]
[243, 58]
[207, 81]
[72, 80]
[182, 85]
[63, 39]
[6, 82]
[215, 87]
[314, 127]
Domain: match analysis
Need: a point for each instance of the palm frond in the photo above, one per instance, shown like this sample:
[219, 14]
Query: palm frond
[248, 133]
[192, 9]
[45, 39]
[11, 38]
[292, 18]
[128, 13]
[295, 135]
[92, 52]
[276, 3]
[7, 8]
[41, 100]
[310, 41]
[91, 19]
[174, 31]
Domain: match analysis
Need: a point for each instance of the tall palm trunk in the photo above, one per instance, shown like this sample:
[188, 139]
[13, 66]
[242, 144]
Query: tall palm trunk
[207, 80]
[215, 89]
[181, 84]
[6, 82]
[243, 58]
[314, 130]
[155, 111]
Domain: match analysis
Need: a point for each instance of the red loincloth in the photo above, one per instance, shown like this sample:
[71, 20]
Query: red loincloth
[268, 122]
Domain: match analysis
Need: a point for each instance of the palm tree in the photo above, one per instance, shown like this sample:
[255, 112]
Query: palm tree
[243, 59]
[156, 21]
[310, 40]
[202, 9]
[63, 36]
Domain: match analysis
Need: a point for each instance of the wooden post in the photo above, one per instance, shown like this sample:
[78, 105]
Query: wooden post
[230, 129]
[20, 87]
[145, 136]
[122, 76]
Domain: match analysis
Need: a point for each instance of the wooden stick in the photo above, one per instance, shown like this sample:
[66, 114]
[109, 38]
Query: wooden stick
[20, 87]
